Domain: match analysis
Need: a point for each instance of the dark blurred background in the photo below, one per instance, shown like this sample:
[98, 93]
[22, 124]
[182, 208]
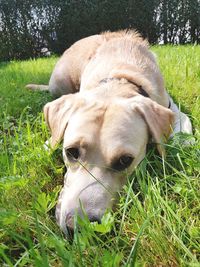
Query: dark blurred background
[34, 28]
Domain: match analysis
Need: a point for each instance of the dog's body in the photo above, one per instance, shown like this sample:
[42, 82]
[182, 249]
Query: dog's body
[106, 126]
[97, 57]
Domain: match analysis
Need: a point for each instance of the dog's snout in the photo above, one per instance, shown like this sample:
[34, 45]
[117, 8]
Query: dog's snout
[83, 199]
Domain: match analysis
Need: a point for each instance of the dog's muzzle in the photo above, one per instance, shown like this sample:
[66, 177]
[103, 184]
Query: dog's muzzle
[82, 196]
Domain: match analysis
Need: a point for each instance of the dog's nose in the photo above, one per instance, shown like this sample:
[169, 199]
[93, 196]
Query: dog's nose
[70, 220]
[94, 218]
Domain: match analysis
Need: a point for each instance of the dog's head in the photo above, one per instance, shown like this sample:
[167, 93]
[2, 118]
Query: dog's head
[102, 138]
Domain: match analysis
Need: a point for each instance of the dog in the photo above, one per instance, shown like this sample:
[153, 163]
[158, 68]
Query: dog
[112, 102]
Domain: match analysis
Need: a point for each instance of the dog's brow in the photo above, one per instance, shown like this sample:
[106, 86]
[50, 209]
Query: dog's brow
[79, 142]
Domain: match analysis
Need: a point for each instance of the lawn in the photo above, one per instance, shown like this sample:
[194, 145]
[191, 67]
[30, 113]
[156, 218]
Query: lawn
[157, 221]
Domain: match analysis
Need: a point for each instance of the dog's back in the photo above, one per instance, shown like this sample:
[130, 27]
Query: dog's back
[73, 62]
[67, 74]
[122, 54]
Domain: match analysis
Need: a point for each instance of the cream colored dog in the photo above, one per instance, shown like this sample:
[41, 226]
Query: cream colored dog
[105, 127]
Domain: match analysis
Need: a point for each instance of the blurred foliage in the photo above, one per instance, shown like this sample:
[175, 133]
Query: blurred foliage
[31, 28]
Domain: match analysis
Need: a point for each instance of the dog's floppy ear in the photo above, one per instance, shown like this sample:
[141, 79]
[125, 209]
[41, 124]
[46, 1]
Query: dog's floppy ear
[158, 118]
[56, 114]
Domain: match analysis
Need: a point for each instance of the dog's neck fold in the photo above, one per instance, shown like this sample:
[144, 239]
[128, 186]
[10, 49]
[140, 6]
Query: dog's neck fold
[139, 88]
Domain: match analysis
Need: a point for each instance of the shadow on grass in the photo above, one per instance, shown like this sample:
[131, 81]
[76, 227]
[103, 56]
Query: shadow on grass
[4, 64]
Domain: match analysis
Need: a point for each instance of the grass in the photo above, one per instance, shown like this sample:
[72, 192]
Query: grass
[157, 219]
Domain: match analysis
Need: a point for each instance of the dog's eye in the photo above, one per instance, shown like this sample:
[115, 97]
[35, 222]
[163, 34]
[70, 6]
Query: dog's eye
[122, 163]
[72, 153]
